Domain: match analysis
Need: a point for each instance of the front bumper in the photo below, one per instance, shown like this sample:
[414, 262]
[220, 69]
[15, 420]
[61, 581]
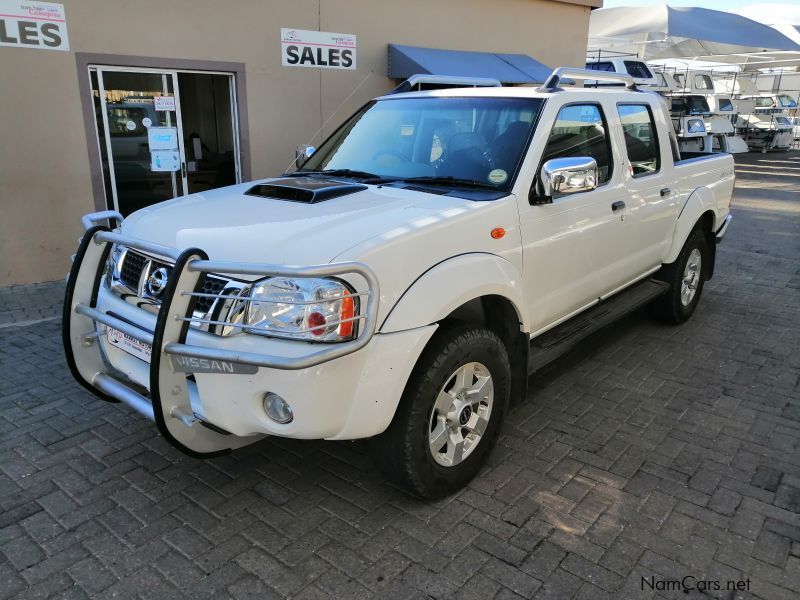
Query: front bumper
[336, 391]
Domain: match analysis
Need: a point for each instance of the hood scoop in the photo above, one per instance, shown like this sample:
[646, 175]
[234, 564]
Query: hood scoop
[308, 190]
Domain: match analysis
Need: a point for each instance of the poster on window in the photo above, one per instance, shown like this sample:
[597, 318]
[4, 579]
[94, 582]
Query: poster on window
[165, 160]
[320, 49]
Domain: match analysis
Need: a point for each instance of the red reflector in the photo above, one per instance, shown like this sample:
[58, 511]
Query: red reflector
[318, 321]
[498, 232]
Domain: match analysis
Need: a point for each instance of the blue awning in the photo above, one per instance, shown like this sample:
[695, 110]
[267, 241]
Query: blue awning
[405, 61]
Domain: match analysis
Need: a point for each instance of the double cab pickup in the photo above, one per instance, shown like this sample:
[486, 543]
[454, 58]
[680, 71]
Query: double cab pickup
[403, 282]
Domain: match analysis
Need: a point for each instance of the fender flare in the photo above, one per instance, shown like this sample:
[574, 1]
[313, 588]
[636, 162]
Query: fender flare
[699, 202]
[462, 278]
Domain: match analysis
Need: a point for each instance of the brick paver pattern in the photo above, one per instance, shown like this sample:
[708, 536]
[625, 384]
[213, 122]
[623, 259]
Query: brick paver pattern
[652, 452]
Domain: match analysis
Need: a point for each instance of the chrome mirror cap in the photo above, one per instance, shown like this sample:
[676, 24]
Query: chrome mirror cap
[302, 153]
[570, 175]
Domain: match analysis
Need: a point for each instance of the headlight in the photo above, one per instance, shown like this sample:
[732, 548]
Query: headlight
[320, 310]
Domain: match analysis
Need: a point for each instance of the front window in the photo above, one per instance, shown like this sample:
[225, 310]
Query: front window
[787, 101]
[472, 142]
[580, 130]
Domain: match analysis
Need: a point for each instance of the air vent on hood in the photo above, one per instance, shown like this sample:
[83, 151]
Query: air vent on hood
[304, 189]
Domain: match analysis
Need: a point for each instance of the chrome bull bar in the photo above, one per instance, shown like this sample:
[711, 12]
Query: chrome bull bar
[169, 403]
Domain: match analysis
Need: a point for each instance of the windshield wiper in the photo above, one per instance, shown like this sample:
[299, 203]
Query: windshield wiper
[448, 181]
[339, 173]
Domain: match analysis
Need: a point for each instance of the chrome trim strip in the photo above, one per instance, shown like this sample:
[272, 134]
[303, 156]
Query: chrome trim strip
[135, 332]
[292, 302]
[723, 230]
[88, 221]
[266, 329]
[124, 394]
[118, 238]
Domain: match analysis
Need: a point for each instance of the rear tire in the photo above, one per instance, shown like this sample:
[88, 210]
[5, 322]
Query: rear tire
[686, 277]
[449, 413]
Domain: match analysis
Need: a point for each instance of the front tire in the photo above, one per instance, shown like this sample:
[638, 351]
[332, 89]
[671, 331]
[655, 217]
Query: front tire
[686, 277]
[449, 413]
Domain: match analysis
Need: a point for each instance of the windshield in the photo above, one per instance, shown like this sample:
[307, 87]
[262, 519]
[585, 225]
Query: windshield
[478, 140]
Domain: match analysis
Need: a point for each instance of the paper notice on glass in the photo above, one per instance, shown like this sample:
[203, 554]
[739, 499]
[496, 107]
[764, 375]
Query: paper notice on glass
[164, 102]
[165, 160]
[162, 138]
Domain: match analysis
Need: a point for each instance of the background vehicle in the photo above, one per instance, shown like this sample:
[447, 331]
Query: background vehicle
[451, 242]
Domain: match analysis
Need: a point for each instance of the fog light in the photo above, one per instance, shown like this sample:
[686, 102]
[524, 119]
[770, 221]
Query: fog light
[277, 408]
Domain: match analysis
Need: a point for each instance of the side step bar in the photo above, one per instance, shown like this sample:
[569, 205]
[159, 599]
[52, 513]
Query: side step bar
[563, 338]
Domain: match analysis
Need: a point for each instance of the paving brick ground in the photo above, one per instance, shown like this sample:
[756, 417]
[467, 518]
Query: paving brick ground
[653, 452]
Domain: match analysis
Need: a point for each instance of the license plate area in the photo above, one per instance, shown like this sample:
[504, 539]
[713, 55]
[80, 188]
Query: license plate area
[126, 343]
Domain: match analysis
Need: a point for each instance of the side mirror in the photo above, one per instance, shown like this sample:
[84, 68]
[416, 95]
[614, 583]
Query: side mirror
[302, 154]
[569, 175]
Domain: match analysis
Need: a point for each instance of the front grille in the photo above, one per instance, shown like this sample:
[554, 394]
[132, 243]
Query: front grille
[212, 285]
[131, 270]
[134, 263]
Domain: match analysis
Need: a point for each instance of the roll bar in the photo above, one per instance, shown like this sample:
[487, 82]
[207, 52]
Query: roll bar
[452, 80]
[552, 82]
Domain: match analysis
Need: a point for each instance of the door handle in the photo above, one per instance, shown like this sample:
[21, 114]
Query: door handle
[665, 192]
[618, 205]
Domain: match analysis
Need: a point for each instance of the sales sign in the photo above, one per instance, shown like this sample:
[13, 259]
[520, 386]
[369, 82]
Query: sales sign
[25, 24]
[300, 48]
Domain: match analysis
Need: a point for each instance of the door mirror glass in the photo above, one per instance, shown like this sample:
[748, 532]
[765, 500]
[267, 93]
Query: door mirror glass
[569, 175]
[302, 154]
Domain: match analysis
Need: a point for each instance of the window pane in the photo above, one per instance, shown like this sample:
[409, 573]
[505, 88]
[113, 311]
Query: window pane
[637, 69]
[579, 131]
[703, 82]
[640, 138]
[600, 66]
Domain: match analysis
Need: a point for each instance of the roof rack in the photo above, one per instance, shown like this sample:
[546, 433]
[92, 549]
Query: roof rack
[551, 85]
[452, 80]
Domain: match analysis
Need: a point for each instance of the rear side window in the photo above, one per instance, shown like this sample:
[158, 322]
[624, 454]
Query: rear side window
[703, 82]
[601, 66]
[580, 130]
[641, 142]
[637, 69]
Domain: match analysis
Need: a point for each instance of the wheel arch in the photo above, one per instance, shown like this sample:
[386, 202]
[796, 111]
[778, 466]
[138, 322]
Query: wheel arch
[447, 289]
[697, 212]
[479, 288]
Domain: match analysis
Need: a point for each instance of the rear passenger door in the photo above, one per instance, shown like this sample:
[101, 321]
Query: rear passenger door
[565, 241]
[651, 202]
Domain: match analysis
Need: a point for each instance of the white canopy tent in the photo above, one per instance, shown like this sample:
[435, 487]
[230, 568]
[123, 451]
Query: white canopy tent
[660, 32]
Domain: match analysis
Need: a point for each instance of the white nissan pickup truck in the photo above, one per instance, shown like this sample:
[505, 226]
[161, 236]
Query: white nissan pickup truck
[405, 280]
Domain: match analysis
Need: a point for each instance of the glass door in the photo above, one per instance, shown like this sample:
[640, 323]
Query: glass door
[141, 141]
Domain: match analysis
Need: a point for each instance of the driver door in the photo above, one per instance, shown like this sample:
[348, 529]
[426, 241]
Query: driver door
[569, 244]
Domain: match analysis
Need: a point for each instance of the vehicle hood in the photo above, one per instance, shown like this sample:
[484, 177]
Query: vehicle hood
[229, 224]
